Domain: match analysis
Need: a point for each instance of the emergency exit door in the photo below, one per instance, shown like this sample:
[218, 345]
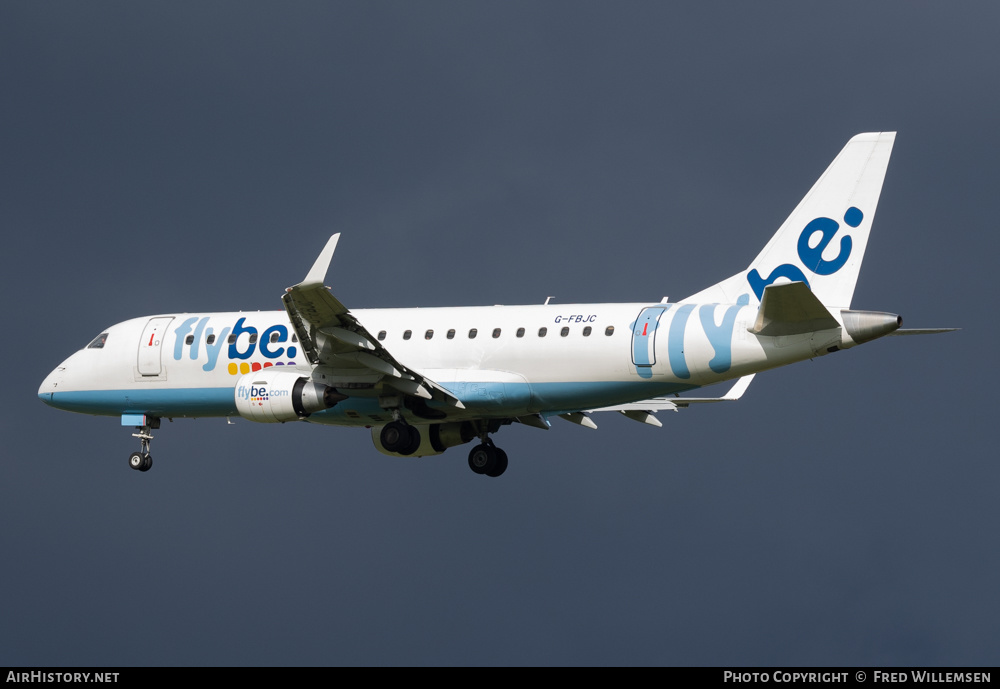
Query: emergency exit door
[644, 336]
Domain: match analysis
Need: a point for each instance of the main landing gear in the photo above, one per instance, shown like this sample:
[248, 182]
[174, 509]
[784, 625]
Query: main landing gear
[142, 460]
[488, 459]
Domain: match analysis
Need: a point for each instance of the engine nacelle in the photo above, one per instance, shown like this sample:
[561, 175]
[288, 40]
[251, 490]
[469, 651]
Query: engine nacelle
[434, 438]
[272, 395]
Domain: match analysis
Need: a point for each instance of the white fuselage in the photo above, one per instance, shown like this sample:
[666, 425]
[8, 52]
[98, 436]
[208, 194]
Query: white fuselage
[500, 361]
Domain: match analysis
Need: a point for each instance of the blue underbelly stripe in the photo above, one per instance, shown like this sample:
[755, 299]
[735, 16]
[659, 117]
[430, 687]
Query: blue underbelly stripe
[491, 398]
[173, 402]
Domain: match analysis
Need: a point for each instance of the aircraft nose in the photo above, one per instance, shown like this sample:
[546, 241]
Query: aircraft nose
[51, 383]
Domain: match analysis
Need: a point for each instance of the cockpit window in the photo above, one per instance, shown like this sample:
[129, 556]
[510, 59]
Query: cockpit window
[98, 342]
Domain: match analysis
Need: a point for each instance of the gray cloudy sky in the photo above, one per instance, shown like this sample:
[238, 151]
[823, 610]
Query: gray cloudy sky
[157, 157]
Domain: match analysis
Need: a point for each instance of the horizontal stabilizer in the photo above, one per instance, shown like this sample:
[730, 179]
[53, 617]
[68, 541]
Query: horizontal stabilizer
[791, 309]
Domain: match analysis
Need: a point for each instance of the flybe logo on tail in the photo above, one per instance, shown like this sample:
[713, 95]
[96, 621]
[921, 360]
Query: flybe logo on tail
[720, 337]
[811, 254]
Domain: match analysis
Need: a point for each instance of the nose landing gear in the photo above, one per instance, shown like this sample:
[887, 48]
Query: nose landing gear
[142, 460]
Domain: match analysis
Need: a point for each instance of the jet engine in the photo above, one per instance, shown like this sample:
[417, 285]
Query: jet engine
[272, 395]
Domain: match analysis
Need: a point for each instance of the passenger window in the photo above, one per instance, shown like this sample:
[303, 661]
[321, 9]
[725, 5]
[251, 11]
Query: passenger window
[98, 342]
[473, 333]
[451, 334]
[542, 331]
[406, 334]
[496, 333]
[586, 331]
[253, 338]
[381, 335]
[295, 338]
[189, 339]
[274, 337]
[232, 339]
[610, 330]
[210, 340]
[520, 332]
[564, 332]
[429, 334]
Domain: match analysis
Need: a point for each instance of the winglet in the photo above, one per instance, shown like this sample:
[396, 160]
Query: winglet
[737, 390]
[317, 274]
[734, 393]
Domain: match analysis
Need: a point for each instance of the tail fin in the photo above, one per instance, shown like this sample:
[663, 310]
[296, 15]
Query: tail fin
[823, 241]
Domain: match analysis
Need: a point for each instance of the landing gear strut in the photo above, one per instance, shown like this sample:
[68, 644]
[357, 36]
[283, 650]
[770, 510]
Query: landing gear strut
[488, 459]
[142, 460]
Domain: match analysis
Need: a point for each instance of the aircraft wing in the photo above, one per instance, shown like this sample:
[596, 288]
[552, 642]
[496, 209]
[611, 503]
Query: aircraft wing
[331, 336]
[643, 410]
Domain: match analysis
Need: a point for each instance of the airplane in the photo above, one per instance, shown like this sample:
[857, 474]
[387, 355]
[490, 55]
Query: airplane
[427, 379]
